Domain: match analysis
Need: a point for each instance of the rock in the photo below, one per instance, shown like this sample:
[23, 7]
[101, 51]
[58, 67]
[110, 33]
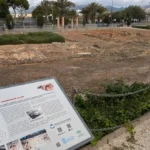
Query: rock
[74, 46]
[85, 54]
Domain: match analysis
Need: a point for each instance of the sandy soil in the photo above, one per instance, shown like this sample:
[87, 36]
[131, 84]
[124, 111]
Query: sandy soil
[86, 60]
[109, 55]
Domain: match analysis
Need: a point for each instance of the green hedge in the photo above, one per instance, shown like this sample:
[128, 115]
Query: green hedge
[142, 27]
[31, 38]
[104, 112]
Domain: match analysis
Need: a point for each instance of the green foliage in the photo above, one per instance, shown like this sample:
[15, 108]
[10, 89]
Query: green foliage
[93, 11]
[37, 11]
[31, 38]
[19, 5]
[44, 8]
[135, 12]
[40, 21]
[71, 13]
[131, 12]
[142, 27]
[9, 22]
[4, 9]
[130, 129]
[62, 5]
[107, 19]
[118, 16]
[104, 112]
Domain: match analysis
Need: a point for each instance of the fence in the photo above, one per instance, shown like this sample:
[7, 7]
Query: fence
[75, 92]
[31, 23]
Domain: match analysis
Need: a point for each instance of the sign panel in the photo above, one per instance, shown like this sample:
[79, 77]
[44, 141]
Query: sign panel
[39, 116]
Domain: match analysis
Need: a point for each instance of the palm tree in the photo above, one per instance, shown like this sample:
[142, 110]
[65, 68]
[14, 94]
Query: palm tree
[92, 11]
[71, 13]
[85, 13]
[45, 6]
[63, 5]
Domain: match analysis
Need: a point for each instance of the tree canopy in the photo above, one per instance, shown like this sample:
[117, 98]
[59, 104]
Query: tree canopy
[4, 9]
[93, 11]
[54, 9]
[18, 5]
[135, 12]
[131, 12]
[62, 5]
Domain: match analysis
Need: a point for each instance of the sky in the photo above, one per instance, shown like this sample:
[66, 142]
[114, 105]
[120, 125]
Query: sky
[118, 3]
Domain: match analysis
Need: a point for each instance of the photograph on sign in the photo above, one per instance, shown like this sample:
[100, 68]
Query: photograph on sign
[14, 145]
[35, 113]
[2, 147]
[35, 140]
[39, 116]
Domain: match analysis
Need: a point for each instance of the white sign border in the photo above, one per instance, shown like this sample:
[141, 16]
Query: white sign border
[68, 99]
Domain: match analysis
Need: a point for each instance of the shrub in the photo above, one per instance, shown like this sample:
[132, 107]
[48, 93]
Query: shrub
[103, 112]
[31, 38]
[142, 27]
[9, 22]
[40, 21]
[107, 20]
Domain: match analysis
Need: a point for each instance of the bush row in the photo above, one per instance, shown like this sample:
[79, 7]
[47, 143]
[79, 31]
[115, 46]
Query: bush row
[104, 112]
[142, 27]
[31, 38]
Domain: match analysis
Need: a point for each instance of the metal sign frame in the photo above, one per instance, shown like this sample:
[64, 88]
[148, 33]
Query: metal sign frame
[68, 99]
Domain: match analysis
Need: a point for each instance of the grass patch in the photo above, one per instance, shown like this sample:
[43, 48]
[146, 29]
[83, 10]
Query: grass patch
[31, 38]
[142, 27]
[104, 112]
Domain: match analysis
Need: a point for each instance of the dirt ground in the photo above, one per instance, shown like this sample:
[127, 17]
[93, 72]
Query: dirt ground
[86, 60]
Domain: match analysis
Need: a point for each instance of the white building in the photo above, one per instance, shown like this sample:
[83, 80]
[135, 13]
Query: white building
[78, 12]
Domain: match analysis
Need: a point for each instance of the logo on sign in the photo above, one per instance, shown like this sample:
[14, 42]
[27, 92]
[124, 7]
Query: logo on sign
[79, 133]
[66, 140]
[46, 87]
[52, 126]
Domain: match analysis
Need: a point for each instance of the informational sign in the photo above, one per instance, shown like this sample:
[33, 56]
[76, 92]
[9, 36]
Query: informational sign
[39, 116]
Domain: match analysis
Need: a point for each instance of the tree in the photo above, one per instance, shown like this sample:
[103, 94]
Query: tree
[85, 13]
[18, 5]
[9, 22]
[93, 11]
[45, 7]
[118, 16]
[37, 11]
[62, 5]
[40, 21]
[135, 12]
[107, 19]
[4, 9]
[71, 13]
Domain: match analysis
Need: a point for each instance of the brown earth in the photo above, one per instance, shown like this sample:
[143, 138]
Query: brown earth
[86, 60]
